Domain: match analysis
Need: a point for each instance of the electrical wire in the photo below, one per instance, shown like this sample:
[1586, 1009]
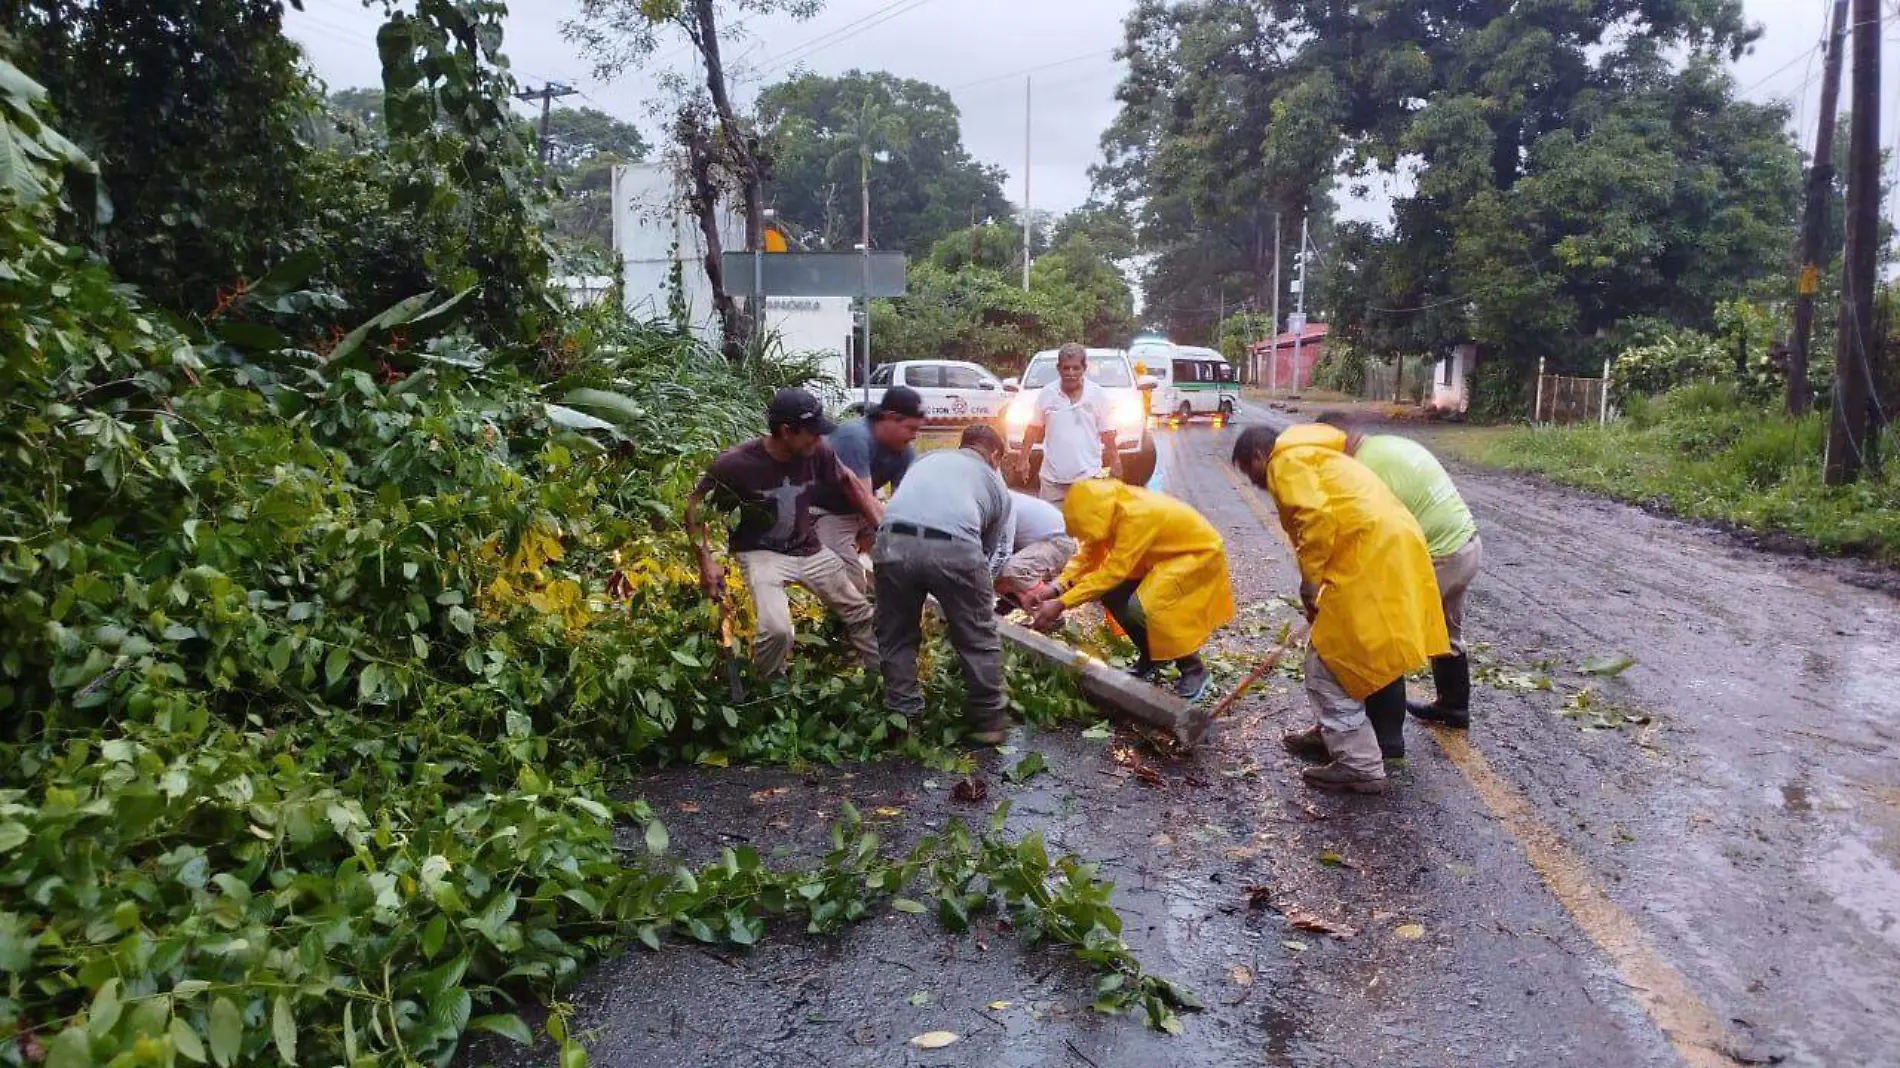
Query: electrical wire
[1026, 71]
[801, 52]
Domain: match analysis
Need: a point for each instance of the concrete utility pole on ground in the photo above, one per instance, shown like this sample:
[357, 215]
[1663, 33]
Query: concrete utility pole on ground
[547, 93]
[1814, 226]
[1853, 353]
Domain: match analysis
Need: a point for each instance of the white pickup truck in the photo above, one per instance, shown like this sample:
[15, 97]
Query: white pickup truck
[954, 392]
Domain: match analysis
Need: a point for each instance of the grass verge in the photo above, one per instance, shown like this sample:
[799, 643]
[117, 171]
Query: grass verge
[1704, 454]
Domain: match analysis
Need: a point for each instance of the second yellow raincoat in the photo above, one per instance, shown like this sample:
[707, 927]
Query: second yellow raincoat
[1379, 612]
[1129, 533]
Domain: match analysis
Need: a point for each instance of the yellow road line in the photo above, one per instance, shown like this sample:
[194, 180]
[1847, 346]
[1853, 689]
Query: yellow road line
[1692, 1028]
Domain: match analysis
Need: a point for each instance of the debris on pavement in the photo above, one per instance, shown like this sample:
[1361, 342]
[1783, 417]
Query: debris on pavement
[970, 789]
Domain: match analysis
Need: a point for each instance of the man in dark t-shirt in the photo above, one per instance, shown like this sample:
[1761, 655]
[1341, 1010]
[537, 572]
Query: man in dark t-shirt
[772, 481]
[877, 449]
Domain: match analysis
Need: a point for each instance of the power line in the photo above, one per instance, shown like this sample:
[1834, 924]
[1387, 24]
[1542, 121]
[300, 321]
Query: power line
[1032, 70]
[800, 53]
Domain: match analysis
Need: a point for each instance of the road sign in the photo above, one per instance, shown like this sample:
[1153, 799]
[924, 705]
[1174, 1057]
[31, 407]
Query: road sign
[817, 274]
[1296, 323]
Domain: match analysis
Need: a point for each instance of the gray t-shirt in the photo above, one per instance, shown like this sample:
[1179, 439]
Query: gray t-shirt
[858, 450]
[1037, 520]
[955, 491]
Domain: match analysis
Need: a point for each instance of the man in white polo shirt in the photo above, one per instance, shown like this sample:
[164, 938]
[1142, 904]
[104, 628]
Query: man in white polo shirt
[1074, 422]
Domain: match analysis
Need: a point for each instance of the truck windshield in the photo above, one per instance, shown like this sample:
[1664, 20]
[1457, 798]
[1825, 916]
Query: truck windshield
[1111, 373]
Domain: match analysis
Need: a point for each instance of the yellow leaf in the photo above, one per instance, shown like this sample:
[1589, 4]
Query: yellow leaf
[999, 1006]
[887, 812]
[934, 1039]
[1243, 975]
[1410, 931]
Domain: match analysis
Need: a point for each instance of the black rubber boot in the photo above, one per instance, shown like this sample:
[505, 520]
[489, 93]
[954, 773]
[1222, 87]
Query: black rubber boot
[1194, 678]
[1451, 676]
[1386, 710]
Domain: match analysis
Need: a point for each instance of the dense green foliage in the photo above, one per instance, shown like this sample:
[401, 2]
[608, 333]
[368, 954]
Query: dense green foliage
[928, 188]
[1706, 452]
[326, 600]
[1565, 167]
[584, 144]
[967, 302]
[191, 107]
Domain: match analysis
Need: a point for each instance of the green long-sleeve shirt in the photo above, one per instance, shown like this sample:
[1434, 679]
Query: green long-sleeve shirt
[1415, 476]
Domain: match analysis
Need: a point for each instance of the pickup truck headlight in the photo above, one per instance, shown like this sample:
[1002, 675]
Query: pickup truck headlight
[1018, 413]
[1128, 414]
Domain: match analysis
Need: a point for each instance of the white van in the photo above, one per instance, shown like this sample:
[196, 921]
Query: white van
[1190, 381]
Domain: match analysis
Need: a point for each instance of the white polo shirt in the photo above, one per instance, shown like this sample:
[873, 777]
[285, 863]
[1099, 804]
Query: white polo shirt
[1072, 433]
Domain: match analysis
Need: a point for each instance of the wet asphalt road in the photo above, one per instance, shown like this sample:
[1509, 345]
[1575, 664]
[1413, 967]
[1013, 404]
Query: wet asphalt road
[1720, 885]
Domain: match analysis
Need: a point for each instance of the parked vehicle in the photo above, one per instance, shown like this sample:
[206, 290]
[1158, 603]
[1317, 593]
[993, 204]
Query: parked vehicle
[1110, 369]
[1189, 381]
[954, 392]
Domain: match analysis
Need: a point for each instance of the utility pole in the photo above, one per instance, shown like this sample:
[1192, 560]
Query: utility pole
[1298, 323]
[548, 94]
[1273, 328]
[1814, 226]
[1026, 132]
[1853, 354]
[864, 299]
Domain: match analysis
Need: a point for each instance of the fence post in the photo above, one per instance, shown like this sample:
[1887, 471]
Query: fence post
[1603, 410]
[1537, 406]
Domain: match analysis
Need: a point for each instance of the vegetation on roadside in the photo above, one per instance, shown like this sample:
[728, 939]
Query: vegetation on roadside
[1706, 452]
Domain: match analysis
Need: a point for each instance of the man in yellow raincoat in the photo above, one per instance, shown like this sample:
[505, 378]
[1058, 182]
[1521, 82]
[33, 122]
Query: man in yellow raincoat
[1366, 578]
[1156, 565]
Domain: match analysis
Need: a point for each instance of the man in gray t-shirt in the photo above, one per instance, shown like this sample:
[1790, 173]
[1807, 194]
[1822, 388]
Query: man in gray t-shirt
[877, 450]
[939, 530]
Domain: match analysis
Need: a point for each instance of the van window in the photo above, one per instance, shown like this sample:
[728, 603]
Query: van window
[881, 376]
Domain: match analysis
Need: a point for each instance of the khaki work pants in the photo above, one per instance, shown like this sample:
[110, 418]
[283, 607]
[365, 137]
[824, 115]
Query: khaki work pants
[839, 534]
[1038, 563]
[1455, 574]
[768, 573]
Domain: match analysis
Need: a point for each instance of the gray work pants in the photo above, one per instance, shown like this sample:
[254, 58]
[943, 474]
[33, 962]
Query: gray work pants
[1342, 720]
[910, 569]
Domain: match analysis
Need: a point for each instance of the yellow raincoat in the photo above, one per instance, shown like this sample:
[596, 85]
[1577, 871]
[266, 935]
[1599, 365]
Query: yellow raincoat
[1358, 545]
[1129, 533]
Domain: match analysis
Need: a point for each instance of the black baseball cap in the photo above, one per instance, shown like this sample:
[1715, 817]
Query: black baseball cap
[798, 409]
[901, 401]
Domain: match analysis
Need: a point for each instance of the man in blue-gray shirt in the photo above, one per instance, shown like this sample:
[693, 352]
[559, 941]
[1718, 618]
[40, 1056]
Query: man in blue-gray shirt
[938, 534]
[877, 449]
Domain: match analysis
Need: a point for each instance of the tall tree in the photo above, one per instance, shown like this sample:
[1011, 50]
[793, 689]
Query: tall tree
[933, 189]
[874, 134]
[1569, 166]
[722, 149]
[192, 108]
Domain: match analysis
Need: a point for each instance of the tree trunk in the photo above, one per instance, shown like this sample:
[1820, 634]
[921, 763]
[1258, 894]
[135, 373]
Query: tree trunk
[703, 198]
[741, 160]
[739, 151]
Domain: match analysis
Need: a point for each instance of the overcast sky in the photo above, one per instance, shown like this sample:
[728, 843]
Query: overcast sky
[981, 50]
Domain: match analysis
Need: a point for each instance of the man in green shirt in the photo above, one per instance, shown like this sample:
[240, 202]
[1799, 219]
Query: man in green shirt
[1415, 476]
